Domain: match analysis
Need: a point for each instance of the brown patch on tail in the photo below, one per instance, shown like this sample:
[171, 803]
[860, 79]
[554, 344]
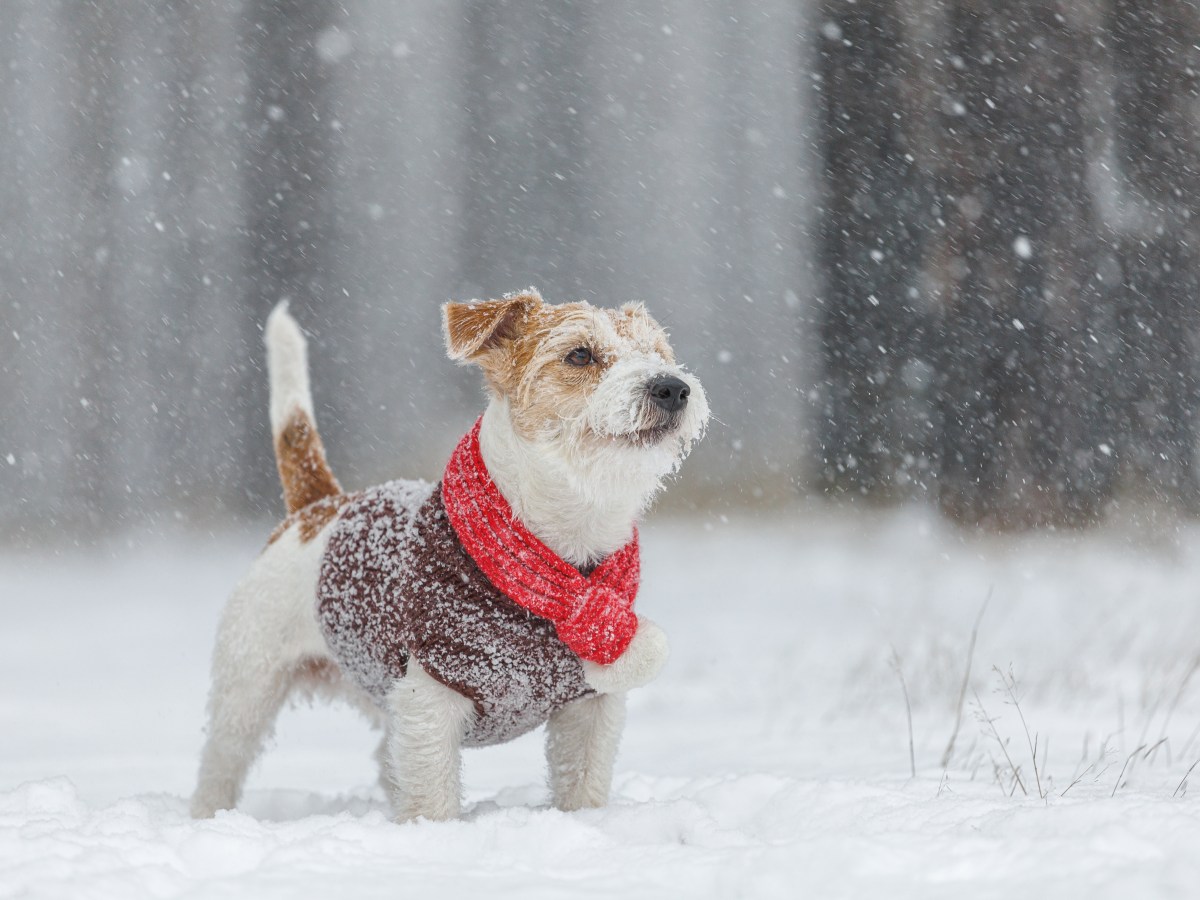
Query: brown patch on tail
[312, 518]
[300, 455]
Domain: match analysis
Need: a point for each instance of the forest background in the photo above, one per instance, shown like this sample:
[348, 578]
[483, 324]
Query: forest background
[918, 250]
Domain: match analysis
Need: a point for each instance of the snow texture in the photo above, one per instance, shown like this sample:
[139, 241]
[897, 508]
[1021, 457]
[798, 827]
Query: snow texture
[770, 759]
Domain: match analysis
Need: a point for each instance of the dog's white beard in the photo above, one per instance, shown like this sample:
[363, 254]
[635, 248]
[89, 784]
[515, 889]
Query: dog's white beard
[582, 486]
[620, 408]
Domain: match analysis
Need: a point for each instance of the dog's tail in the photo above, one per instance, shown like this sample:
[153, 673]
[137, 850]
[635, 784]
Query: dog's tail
[299, 453]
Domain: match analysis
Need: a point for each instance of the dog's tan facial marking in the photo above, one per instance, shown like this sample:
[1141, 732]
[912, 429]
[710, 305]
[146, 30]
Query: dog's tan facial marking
[548, 359]
[539, 370]
[638, 327]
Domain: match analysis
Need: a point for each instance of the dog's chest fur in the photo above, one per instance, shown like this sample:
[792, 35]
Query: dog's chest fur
[396, 583]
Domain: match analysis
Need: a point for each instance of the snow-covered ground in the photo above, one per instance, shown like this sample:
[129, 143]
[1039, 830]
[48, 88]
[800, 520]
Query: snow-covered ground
[770, 759]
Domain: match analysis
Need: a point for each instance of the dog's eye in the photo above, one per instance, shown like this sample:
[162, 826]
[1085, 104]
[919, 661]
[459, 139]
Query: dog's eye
[580, 356]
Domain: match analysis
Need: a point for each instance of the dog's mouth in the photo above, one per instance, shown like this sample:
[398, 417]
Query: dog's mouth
[648, 437]
[654, 433]
[640, 439]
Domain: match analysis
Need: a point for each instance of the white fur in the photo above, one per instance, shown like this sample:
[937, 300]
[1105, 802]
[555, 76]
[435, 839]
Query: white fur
[640, 664]
[573, 504]
[287, 367]
[267, 631]
[581, 750]
[619, 406]
[423, 761]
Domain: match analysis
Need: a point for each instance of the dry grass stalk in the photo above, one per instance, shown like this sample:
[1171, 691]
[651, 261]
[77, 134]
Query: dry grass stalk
[966, 682]
[1009, 683]
[990, 725]
[912, 756]
[1181, 790]
[1128, 760]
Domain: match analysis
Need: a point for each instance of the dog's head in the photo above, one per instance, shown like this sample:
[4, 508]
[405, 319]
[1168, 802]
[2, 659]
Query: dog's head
[598, 382]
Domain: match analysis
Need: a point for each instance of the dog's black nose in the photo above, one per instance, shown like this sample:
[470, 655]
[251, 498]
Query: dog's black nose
[669, 393]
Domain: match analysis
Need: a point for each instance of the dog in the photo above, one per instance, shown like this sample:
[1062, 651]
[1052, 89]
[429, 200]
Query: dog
[467, 612]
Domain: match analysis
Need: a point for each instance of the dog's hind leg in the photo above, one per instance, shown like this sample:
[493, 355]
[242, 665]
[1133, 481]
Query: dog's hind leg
[581, 749]
[267, 638]
[242, 711]
[423, 761]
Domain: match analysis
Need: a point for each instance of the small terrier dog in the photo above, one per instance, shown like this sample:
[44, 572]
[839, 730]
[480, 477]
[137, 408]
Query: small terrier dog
[471, 611]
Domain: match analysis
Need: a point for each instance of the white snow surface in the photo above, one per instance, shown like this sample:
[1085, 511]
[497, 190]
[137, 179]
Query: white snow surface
[770, 759]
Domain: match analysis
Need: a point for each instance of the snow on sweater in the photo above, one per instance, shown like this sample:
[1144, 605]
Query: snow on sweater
[396, 583]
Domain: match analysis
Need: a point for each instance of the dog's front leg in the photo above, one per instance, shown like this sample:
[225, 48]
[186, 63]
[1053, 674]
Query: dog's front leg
[426, 724]
[581, 748]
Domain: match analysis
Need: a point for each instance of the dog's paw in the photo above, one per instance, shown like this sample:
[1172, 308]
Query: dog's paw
[641, 662]
[204, 806]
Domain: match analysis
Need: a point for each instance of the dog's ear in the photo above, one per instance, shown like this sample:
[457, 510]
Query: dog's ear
[474, 328]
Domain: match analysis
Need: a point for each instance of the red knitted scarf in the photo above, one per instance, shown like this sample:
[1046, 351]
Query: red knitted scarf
[593, 614]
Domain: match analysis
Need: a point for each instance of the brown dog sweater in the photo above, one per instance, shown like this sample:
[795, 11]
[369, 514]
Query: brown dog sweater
[396, 583]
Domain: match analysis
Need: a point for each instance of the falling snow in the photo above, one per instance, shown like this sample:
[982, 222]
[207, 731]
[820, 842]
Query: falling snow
[334, 45]
[920, 256]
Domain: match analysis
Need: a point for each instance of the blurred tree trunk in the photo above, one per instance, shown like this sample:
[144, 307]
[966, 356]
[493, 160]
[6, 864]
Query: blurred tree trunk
[869, 249]
[200, 297]
[55, 345]
[291, 235]
[1153, 178]
[960, 246]
[534, 196]
[98, 40]
[1020, 388]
